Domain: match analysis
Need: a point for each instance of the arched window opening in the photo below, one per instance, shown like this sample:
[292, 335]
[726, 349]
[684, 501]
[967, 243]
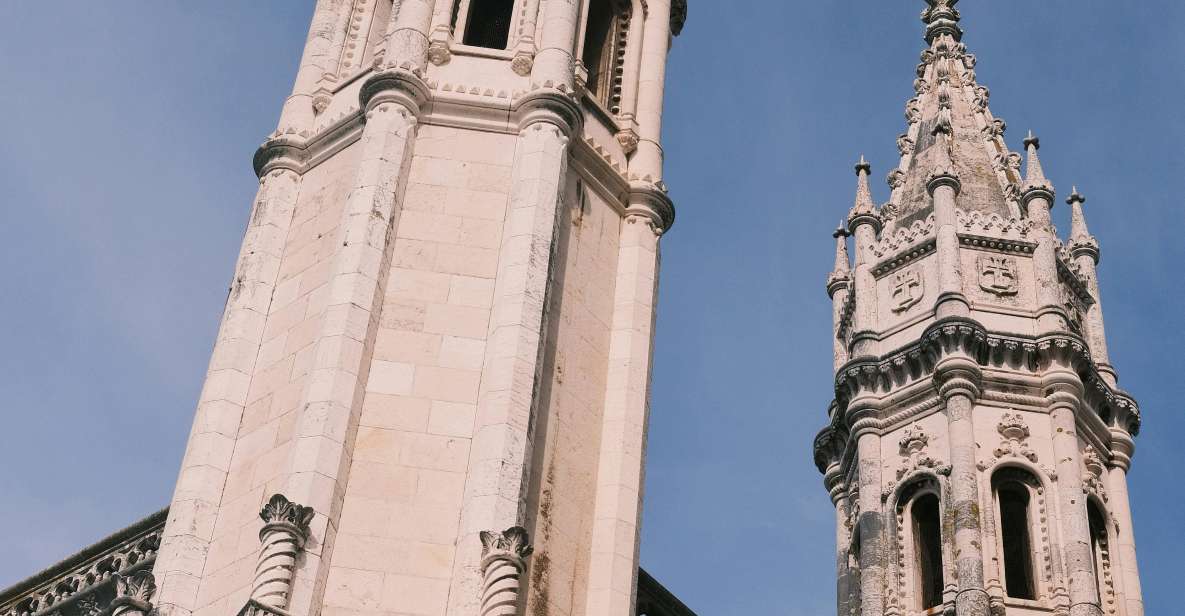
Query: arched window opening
[605, 35]
[927, 541]
[487, 23]
[1015, 535]
[1098, 545]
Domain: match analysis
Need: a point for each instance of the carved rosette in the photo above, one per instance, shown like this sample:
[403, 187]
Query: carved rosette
[503, 560]
[284, 532]
[133, 594]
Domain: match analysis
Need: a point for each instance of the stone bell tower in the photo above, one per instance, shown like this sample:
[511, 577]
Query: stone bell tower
[435, 355]
[978, 446]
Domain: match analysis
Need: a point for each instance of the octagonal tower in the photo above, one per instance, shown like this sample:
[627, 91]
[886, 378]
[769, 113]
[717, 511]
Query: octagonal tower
[978, 445]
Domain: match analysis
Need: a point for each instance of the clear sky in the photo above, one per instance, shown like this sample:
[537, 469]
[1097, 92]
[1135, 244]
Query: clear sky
[125, 182]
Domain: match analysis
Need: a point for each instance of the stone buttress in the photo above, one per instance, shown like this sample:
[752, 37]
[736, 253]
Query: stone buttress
[978, 445]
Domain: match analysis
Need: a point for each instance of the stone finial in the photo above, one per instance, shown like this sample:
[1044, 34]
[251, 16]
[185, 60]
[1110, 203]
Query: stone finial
[864, 210]
[941, 18]
[503, 560]
[1081, 241]
[133, 594]
[841, 275]
[1035, 184]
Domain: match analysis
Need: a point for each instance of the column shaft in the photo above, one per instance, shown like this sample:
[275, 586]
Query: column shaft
[1045, 265]
[318, 59]
[864, 319]
[872, 527]
[951, 301]
[194, 508]
[501, 449]
[972, 599]
[656, 36]
[408, 43]
[1076, 545]
[1125, 540]
[618, 506]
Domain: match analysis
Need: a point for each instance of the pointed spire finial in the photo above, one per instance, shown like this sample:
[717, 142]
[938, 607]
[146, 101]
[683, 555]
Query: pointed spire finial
[1035, 182]
[841, 275]
[941, 18]
[1081, 241]
[864, 211]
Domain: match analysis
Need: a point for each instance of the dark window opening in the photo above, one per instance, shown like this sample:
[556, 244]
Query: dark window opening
[1015, 535]
[598, 48]
[488, 23]
[1098, 544]
[927, 534]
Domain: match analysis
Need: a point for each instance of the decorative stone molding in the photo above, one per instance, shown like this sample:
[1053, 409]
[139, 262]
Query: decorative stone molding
[912, 447]
[284, 533]
[628, 140]
[404, 85]
[905, 145]
[995, 129]
[133, 594]
[439, 53]
[503, 560]
[895, 179]
[904, 238]
[1094, 467]
[1016, 433]
[79, 585]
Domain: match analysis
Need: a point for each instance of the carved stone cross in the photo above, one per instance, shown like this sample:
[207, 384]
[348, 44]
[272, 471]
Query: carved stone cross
[907, 290]
[998, 275]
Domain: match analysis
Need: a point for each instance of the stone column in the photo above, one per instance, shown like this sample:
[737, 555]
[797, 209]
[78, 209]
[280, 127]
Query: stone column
[285, 530]
[133, 594]
[407, 46]
[1064, 391]
[944, 187]
[194, 508]
[958, 378]
[617, 514]
[503, 560]
[1038, 199]
[548, 116]
[440, 36]
[1122, 449]
[843, 538]
[317, 469]
[862, 416]
[524, 41]
[318, 60]
[647, 160]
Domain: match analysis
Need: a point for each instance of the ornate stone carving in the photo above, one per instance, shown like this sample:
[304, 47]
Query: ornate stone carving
[905, 237]
[912, 447]
[1092, 479]
[998, 275]
[908, 289]
[628, 140]
[1016, 433]
[913, 111]
[133, 594]
[904, 145]
[995, 129]
[1007, 161]
[439, 54]
[285, 530]
[895, 179]
[982, 96]
[503, 560]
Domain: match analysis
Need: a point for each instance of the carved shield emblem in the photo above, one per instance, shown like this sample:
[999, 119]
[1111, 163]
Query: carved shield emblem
[997, 275]
[908, 290]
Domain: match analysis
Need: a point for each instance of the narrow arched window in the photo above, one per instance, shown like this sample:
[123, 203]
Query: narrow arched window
[486, 23]
[1099, 545]
[927, 541]
[1016, 539]
[603, 55]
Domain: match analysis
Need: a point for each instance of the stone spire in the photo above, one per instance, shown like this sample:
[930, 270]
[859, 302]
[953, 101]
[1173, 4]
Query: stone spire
[1034, 174]
[1081, 241]
[941, 18]
[841, 249]
[864, 210]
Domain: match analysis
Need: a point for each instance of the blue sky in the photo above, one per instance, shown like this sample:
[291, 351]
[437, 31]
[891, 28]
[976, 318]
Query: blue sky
[125, 183]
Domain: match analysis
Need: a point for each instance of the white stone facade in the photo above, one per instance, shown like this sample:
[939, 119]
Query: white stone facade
[440, 324]
[978, 445]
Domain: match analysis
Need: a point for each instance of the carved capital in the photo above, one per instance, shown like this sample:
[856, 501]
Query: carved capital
[403, 85]
[281, 512]
[943, 177]
[549, 104]
[513, 544]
